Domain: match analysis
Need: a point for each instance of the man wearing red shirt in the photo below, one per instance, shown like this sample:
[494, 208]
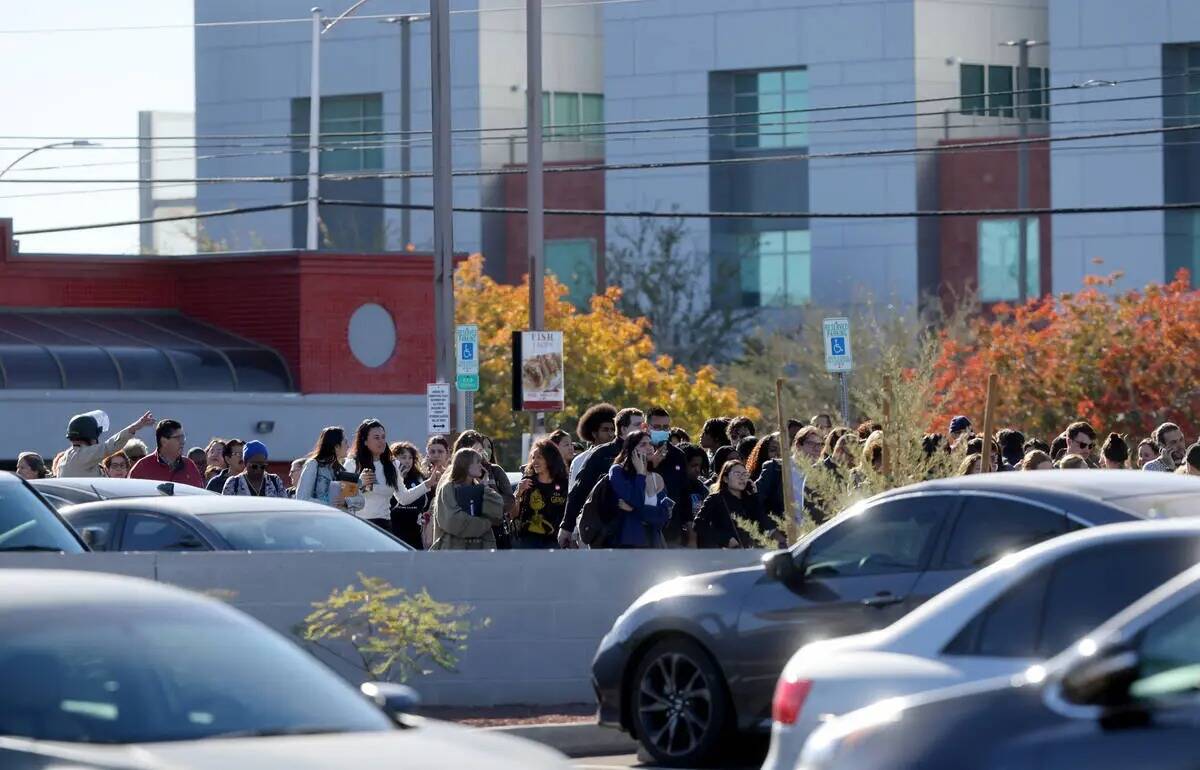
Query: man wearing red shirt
[169, 463]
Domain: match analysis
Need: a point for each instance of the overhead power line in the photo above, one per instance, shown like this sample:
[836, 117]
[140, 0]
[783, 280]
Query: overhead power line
[650, 165]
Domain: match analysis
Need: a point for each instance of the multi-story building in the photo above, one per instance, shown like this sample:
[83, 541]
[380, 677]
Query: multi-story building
[1155, 42]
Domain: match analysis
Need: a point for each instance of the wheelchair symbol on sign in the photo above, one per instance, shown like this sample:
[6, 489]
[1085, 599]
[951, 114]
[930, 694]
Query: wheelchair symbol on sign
[837, 346]
[468, 351]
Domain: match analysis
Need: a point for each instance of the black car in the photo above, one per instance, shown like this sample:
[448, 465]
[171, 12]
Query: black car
[1125, 696]
[220, 523]
[697, 657]
[28, 523]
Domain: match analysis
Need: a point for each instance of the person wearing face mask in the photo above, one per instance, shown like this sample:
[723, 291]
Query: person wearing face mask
[641, 495]
[732, 503]
[414, 502]
[466, 510]
[255, 480]
[318, 481]
[595, 468]
[495, 477]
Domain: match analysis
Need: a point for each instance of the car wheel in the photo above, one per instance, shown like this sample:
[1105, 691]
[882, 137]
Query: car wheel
[679, 705]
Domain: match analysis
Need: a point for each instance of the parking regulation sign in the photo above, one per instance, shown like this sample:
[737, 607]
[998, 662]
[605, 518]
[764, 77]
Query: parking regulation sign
[437, 408]
[466, 346]
[838, 357]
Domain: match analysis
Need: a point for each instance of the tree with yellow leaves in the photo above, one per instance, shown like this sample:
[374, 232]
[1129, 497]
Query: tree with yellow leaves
[608, 357]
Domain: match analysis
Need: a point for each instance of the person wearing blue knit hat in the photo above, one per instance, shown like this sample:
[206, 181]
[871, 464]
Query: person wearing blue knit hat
[255, 480]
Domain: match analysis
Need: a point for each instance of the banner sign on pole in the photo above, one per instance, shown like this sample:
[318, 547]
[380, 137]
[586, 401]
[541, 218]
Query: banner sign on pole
[466, 347]
[538, 372]
[437, 407]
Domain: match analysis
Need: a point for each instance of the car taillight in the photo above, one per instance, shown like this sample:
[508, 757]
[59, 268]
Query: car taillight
[790, 695]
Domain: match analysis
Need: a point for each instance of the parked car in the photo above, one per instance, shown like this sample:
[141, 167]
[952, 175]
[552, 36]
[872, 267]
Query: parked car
[1125, 696]
[102, 671]
[27, 523]
[72, 491]
[697, 657]
[1020, 611]
[219, 523]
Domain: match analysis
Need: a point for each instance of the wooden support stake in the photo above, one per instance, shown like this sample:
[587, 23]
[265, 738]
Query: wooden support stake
[989, 418]
[785, 456]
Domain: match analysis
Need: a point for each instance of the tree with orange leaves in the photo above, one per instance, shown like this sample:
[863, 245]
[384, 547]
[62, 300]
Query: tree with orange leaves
[608, 357]
[1124, 362]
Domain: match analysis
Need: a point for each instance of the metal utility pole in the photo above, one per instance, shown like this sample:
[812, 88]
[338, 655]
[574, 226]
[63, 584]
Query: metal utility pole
[443, 192]
[1023, 172]
[406, 130]
[535, 193]
[314, 134]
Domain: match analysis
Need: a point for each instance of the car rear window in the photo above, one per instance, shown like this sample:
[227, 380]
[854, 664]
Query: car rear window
[1175, 506]
[28, 524]
[300, 531]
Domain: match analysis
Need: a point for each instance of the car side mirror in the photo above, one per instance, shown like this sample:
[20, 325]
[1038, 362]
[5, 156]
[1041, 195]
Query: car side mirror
[781, 566]
[395, 700]
[93, 538]
[1102, 679]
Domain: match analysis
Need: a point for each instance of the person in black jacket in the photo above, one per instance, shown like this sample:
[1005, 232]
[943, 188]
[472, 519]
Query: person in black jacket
[668, 461]
[733, 501]
[697, 470]
[596, 468]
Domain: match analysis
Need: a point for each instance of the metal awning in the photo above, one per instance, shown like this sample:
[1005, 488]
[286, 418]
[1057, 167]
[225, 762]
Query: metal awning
[67, 349]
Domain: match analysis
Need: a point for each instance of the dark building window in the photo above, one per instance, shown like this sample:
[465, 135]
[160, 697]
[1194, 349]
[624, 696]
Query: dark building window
[989, 91]
[769, 105]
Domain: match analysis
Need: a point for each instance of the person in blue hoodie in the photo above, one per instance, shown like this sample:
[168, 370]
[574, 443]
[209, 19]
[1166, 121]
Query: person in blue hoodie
[640, 493]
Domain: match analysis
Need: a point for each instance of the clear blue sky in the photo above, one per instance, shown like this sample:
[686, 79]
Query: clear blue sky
[84, 85]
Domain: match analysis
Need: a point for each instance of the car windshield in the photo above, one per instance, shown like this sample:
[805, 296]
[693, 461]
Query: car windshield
[164, 673]
[299, 531]
[1175, 506]
[26, 524]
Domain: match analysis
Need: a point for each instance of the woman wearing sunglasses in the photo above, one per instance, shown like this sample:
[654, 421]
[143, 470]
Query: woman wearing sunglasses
[254, 480]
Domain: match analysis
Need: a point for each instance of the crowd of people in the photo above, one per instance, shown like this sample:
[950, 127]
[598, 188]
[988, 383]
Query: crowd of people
[627, 479]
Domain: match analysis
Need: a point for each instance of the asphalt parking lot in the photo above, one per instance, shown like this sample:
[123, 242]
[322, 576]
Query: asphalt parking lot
[624, 761]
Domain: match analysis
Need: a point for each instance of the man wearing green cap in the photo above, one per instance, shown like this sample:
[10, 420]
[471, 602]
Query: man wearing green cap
[87, 452]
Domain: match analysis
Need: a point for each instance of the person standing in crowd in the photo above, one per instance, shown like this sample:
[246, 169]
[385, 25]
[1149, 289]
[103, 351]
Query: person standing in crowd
[198, 456]
[541, 497]
[86, 453]
[135, 449]
[414, 503]
[378, 473]
[1012, 452]
[294, 475]
[734, 502]
[1191, 462]
[714, 435]
[696, 463]
[255, 480]
[766, 471]
[679, 437]
[437, 453]
[232, 463]
[866, 428]
[1072, 462]
[596, 427]
[975, 447]
[822, 421]
[806, 455]
[960, 430]
[319, 478]
[465, 510]
[1037, 460]
[214, 457]
[493, 476]
[641, 495]
[1114, 455]
[595, 468]
[722, 456]
[1147, 451]
[793, 427]
[561, 439]
[1081, 440]
[970, 465]
[871, 460]
[117, 465]
[167, 462]
[667, 461]
[830, 445]
[1035, 444]
[740, 428]
[30, 466]
[1172, 448]
[745, 448]
[1058, 448]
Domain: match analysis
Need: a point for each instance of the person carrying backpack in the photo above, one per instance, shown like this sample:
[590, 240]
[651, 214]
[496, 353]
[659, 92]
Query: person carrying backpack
[640, 494]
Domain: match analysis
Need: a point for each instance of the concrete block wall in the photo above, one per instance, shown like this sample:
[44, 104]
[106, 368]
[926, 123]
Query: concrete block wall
[547, 610]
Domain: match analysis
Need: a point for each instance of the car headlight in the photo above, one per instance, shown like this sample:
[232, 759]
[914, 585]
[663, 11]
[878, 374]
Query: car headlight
[823, 746]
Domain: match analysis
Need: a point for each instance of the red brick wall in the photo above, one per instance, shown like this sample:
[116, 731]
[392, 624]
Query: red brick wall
[573, 190]
[298, 304]
[986, 179]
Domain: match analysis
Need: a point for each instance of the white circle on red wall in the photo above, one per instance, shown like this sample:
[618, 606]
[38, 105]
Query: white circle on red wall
[372, 335]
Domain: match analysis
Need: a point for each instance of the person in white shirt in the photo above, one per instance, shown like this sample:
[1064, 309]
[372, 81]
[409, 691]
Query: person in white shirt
[597, 426]
[379, 475]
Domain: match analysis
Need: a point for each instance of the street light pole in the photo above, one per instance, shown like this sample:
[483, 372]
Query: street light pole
[535, 192]
[52, 145]
[406, 131]
[443, 192]
[314, 134]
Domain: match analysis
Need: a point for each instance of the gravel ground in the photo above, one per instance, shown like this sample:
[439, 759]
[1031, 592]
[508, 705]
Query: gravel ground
[508, 716]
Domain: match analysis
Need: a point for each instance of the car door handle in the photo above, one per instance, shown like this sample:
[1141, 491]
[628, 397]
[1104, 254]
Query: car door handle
[883, 599]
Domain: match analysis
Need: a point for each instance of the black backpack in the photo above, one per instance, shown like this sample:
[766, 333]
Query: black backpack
[598, 520]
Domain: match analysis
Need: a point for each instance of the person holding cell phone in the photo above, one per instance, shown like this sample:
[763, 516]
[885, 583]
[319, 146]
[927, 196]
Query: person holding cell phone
[645, 509]
[670, 463]
[378, 474]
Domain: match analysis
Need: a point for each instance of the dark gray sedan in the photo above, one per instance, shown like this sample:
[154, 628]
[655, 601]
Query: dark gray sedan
[219, 523]
[696, 658]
